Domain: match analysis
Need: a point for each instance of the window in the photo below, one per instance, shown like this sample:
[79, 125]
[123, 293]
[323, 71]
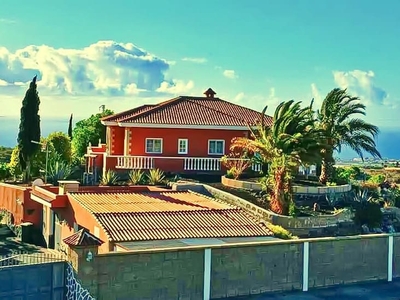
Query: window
[153, 145]
[216, 147]
[183, 146]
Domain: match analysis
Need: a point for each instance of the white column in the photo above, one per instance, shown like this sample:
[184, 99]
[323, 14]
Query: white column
[104, 164]
[126, 142]
[207, 274]
[306, 257]
[390, 258]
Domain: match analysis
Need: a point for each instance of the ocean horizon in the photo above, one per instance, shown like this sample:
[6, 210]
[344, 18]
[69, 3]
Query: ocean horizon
[388, 140]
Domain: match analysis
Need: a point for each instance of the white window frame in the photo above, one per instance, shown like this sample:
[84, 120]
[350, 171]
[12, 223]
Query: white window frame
[153, 139]
[216, 141]
[186, 141]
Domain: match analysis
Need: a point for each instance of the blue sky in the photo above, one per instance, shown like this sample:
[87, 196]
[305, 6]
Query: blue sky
[253, 53]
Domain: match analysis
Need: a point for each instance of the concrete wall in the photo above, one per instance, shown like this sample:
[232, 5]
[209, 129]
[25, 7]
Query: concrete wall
[242, 269]
[324, 190]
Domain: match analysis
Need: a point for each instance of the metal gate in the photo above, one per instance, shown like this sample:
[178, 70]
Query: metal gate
[45, 281]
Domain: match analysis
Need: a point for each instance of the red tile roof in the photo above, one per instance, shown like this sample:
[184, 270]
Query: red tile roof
[187, 110]
[83, 238]
[167, 215]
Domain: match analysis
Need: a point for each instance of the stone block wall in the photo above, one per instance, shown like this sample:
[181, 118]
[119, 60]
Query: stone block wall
[241, 269]
[346, 261]
[250, 270]
[154, 275]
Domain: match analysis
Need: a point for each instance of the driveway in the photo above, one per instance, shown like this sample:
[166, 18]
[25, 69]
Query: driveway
[370, 291]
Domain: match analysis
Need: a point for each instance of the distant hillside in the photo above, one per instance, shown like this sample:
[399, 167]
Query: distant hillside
[388, 142]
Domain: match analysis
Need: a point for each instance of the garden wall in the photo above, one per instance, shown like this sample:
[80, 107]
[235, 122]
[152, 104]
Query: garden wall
[255, 186]
[242, 269]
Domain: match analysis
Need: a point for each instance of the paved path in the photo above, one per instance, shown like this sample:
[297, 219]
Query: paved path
[371, 291]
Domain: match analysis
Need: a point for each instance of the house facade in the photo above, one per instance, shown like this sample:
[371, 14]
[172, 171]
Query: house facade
[184, 134]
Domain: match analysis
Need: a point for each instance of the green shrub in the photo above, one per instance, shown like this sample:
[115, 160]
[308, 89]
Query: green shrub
[377, 179]
[280, 232]
[58, 169]
[229, 174]
[367, 211]
[155, 177]
[4, 171]
[110, 178]
[136, 177]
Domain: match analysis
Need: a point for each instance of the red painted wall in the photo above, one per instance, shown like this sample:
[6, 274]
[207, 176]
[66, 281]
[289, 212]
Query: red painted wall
[118, 138]
[27, 211]
[198, 140]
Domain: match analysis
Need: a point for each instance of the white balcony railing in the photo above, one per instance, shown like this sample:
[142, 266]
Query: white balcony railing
[201, 164]
[187, 163]
[135, 162]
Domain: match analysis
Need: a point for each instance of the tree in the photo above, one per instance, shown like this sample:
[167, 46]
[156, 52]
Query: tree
[61, 144]
[38, 161]
[29, 128]
[70, 127]
[89, 131]
[291, 141]
[340, 127]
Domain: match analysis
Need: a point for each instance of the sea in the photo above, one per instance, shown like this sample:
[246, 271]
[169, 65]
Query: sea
[388, 141]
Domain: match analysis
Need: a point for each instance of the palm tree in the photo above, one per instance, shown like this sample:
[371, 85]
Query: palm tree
[292, 140]
[337, 120]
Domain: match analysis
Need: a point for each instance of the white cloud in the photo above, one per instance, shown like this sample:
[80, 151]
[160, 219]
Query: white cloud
[230, 74]
[258, 102]
[361, 84]
[176, 87]
[239, 97]
[104, 68]
[316, 95]
[7, 21]
[196, 60]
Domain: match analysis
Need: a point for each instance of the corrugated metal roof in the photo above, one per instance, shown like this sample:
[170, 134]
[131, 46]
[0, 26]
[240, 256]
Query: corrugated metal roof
[145, 202]
[167, 215]
[123, 227]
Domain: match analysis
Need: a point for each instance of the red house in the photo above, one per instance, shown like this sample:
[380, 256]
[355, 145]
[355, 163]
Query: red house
[184, 134]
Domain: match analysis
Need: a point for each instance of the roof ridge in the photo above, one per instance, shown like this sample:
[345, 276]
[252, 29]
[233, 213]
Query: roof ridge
[151, 110]
[224, 112]
[126, 111]
[216, 110]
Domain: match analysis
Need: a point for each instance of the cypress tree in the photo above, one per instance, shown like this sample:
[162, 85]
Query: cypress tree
[70, 127]
[29, 128]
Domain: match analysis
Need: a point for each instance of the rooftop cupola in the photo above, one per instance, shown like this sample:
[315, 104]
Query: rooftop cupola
[210, 93]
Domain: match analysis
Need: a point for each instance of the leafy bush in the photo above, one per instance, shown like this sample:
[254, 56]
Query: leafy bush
[58, 169]
[110, 178]
[367, 211]
[281, 233]
[377, 179]
[136, 177]
[4, 171]
[155, 177]
[348, 174]
[236, 163]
